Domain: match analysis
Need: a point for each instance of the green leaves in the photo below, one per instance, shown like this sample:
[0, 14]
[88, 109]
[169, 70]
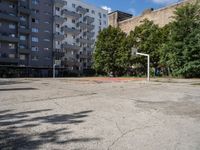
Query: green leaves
[111, 52]
[174, 47]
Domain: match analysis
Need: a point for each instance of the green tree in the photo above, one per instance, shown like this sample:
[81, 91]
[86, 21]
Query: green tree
[147, 38]
[112, 52]
[181, 52]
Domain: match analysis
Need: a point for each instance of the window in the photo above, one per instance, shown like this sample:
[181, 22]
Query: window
[35, 39]
[11, 55]
[57, 26]
[22, 18]
[11, 46]
[46, 49]
[73, 21]
[93, 12]
[35, 11]
[12, 26]
[35, 20]
[105, 22]
[36, 2]
[22, 57]
[104, 15]
[57, 9]
[46, 22]
[47, 31]
[35, 30]
[11, 6]
[35, 49]
[47, 40]
[74, 5]
[35, 58]
[22, 37]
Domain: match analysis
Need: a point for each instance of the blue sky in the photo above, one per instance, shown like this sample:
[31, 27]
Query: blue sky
[131, 6]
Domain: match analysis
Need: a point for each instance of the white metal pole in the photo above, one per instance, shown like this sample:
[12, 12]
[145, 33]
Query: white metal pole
[148, 63]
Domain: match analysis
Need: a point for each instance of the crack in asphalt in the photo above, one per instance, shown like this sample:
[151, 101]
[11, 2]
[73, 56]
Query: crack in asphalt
[124, 134]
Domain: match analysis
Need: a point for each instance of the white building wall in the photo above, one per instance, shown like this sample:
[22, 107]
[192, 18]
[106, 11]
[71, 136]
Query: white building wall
[100, 22]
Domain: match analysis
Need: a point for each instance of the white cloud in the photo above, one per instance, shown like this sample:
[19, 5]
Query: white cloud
[107, 8]
[164, 1]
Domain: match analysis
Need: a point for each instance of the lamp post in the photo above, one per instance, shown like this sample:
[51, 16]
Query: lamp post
[135, 52]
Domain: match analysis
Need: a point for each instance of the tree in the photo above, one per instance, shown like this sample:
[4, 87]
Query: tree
[181, 52]
[112, 52]
[147, 38]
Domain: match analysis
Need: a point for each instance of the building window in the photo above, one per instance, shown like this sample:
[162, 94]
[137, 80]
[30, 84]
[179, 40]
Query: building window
[46, 22]
[11, 6]
[47, 40]
[22, 18]
[35, 30]
[105, 22]
[35, 49]
[36, 2]
[93, 12]
[46, 49]
[35, 20]
[73, 21]
[22, 37]
[12, 26]
[57, 26]
[11, 46]
[35, 11]
[22, 57]
[35, 39]
[47, 31]
[11, 55]
[74, 5]
[57, 9]
[104, 15]
[35, 58]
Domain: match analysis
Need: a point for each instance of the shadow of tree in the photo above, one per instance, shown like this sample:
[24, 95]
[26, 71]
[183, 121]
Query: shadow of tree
[14, 127]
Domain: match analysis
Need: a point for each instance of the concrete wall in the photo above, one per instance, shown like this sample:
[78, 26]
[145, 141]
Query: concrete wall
[161, 17]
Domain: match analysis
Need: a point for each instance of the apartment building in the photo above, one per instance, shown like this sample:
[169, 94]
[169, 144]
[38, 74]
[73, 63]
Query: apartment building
[76, 26]
[35, 34]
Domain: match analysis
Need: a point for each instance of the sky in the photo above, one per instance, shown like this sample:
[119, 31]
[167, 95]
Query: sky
[135, 7]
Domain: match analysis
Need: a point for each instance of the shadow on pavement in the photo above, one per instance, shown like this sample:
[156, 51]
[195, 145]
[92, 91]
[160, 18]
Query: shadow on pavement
[16, 129]
[18, 89]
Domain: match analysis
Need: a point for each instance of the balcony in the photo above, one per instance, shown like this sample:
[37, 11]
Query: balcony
[83, 25]
[88, 19]
[83, 56]
[24, 10]
[67, 46]
[81, 10]
[67, 13]
[24, 30]
[8, 60]
[24, 50]
[88, 49]
[89, 34]
[86, 41]
[8, 38]
[58, 36]
[59, 3]
[58, 54]
[68, 30]
[58, 19]
[8, 17]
